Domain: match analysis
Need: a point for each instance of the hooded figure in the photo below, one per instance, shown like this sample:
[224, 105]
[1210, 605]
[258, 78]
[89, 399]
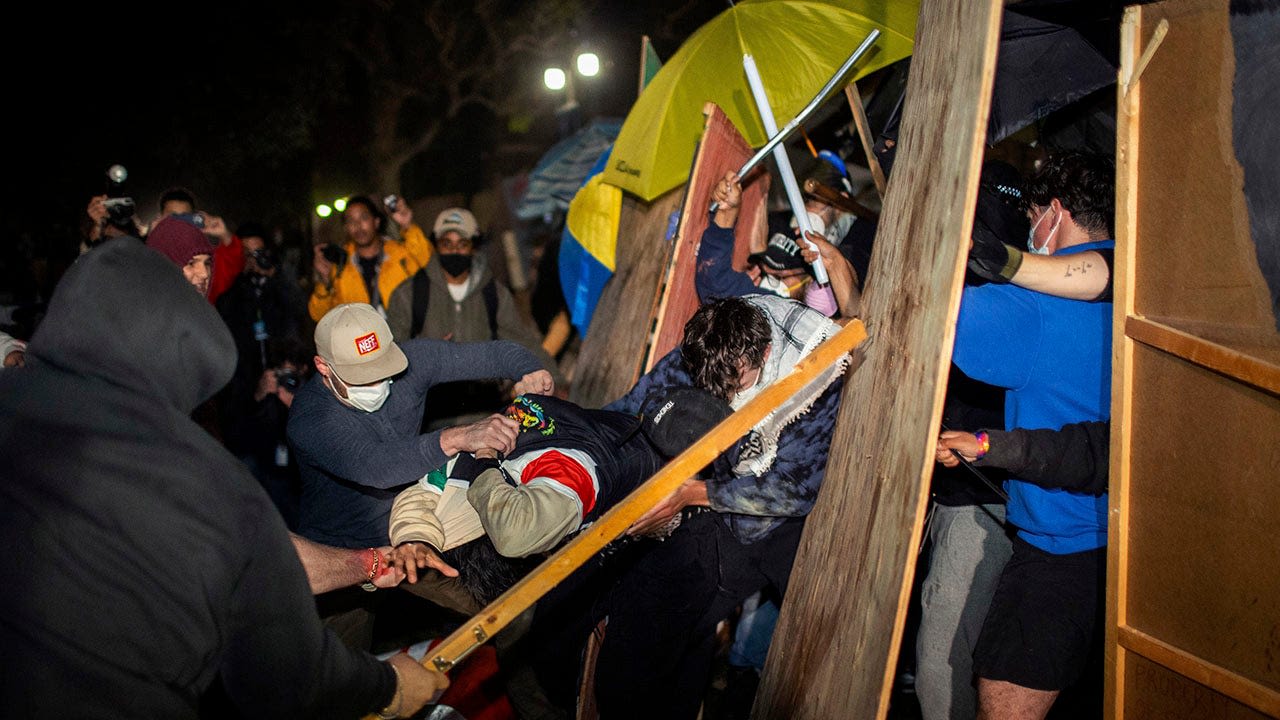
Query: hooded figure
[142, 562]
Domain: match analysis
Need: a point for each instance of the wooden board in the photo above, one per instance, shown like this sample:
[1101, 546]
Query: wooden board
[1126, 222]
[1193, 564]
[722, 148]
[1154, 691]
[610, 359]
[834, 650]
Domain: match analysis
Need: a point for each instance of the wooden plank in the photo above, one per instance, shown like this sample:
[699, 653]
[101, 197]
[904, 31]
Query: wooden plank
[1154, 691]
[610, 358]
[722, 148]
[835, 647]
[864, 134]
[612, 524]
[1241, 689]
[1127, 149]
[1219, 358]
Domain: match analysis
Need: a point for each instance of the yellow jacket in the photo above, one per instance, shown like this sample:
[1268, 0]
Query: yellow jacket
[401, 259]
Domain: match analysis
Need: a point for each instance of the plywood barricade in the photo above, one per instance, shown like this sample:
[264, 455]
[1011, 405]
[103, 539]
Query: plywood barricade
[1193, 612]
[834, 650]
[612, 352]
[721, 149]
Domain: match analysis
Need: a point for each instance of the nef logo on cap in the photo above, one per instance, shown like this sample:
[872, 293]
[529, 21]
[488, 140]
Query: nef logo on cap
[367, 344]
[356, 342]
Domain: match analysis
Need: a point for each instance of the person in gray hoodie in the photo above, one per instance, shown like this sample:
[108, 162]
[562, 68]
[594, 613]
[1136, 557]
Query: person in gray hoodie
[457, 298]
[147, 573]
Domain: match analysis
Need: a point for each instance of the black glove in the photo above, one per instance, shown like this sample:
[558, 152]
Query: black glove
[991, 259]
[468, 467]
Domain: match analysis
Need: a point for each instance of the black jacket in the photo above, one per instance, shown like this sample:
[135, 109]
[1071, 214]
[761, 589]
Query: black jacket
[1074, 458]
[142, 563]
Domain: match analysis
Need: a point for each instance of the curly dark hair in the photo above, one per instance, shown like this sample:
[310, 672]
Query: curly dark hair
[484, 572]
[718, 339]
[1085, 185]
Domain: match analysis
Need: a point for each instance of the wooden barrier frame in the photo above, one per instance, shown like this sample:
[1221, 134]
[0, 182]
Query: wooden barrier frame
[1194, 347]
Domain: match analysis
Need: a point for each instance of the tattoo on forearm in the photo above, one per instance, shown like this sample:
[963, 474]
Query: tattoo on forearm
[1080, 269]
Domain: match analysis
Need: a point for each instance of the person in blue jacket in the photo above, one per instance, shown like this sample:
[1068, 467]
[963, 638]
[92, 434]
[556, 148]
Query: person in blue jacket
[1053, 357]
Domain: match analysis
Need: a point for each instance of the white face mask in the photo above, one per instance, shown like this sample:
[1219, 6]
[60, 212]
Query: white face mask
[816, 223]
[773, 285]
[368, 398]
[1031, 235]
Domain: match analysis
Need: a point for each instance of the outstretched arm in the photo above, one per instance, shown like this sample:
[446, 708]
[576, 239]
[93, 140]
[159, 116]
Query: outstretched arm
[1078, 276]
[1074, 458]
[329, 568]
[844, 279]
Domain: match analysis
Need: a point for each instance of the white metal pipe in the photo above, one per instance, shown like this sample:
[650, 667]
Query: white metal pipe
[794, 197]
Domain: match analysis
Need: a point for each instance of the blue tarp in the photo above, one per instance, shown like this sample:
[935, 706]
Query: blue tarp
[562, 170]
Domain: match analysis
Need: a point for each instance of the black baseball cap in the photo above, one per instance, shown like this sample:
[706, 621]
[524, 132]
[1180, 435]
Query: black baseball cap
[673, 418]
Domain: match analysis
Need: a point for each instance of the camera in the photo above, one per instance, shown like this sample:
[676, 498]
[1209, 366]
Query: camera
[334, 254]
[392, 202]
[119, 204]
[264, 258]
[288, 379]
[195, 219]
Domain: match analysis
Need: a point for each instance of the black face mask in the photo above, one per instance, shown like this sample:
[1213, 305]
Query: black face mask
[454, 264]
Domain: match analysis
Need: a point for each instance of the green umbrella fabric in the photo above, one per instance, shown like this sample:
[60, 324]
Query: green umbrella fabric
[797, 45]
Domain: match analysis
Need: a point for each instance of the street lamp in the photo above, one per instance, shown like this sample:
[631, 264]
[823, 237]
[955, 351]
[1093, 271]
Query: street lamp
[555, 78]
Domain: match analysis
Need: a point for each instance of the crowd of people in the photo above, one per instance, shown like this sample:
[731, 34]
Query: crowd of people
[209, 505]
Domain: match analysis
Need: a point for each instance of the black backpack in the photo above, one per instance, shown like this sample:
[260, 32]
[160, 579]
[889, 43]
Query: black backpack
[422, 295]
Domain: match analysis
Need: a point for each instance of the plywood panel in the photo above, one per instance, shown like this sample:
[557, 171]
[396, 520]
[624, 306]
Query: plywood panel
[834, 650]
[609, 361]
[721, 149]
[1196, 260]
[1153, 691]
[1203, 544]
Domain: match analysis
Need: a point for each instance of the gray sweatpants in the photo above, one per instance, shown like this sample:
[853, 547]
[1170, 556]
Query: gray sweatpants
[970, 549]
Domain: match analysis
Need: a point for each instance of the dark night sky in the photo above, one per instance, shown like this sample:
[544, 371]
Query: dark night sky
[200, 95]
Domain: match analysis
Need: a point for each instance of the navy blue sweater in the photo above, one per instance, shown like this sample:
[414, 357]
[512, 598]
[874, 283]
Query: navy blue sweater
[353, 462]
[754, 505]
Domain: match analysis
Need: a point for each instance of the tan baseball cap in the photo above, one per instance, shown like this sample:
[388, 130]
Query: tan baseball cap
[355, 340]
[456, 219]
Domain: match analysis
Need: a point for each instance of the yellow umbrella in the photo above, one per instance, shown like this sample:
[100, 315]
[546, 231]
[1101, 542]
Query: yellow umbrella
[797, 44]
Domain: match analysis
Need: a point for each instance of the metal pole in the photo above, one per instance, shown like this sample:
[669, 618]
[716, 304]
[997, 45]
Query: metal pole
[784, 165]
[790, 127]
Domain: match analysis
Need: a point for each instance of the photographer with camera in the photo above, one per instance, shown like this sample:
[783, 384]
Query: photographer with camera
[263, 310]
[111, 214]
[260, 436]
[371, 265]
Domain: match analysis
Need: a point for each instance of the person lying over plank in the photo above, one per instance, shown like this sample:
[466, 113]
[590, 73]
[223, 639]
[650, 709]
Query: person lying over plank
[570, 465]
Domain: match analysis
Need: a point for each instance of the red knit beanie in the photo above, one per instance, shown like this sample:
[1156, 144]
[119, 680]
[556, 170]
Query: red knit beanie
[178, 240]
